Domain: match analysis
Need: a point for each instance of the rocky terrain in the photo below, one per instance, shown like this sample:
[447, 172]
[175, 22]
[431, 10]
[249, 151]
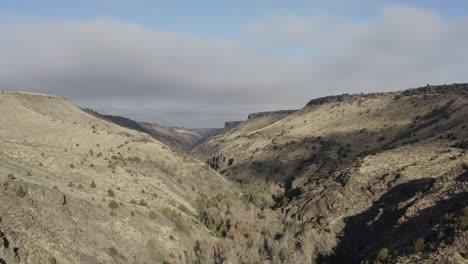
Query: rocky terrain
[365, 178]
[381, 176]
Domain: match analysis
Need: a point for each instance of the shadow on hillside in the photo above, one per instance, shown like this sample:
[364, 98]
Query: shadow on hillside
[367, 233]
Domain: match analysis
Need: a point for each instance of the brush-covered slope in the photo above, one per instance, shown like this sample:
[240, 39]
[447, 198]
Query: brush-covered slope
[383, 173]
[78, 189]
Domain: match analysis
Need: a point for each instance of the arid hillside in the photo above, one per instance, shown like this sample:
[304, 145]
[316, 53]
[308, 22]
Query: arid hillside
[78, 189]
[384, 174]
[178, 138]
[368, 178]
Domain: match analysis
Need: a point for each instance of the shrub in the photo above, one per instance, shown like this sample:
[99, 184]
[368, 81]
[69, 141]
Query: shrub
[111, 193]
[143, 203]
[113, 205]
[11, 176]
[133, 201]
[176, 217]
[93, 184]
[464, 255]
[383, 255]
[418, 245]
[462, 144]
[462, 223]
[447, 216]
[20, 192]
[72, 166]
[52, 260]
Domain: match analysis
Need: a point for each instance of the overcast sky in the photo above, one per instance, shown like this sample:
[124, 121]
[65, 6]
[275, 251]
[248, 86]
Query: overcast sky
[201, 63]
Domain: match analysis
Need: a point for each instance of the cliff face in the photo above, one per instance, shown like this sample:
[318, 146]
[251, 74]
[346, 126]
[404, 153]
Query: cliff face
[231, 124]
[280, 113]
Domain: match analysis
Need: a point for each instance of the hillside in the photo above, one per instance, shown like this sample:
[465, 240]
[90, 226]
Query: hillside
[79, 189]
[376, 173]
[367, 178]
[116, 195]
[177, 138]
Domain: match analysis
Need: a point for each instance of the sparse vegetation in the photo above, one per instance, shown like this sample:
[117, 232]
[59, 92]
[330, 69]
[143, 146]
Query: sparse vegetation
[52, 260]
[462, 223]
[113, 205]
[383, 255]
[176, 217]
[20, 192]
[418, 245]
[92, 185]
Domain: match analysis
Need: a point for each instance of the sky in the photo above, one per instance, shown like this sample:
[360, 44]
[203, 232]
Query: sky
[201, 63]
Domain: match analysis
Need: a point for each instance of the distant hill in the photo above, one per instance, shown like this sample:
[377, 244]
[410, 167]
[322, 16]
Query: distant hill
[177, 138]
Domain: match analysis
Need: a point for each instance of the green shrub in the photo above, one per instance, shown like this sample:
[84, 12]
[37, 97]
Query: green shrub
[113, 205]
[133, 201]
[418, 245]
[111, 193]
[93, 184]
[20, 192]
[52, 260]
[72, 166]
[11, 176]
[142, 203]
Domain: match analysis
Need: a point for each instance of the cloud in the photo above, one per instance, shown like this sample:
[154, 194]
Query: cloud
[181, 79]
